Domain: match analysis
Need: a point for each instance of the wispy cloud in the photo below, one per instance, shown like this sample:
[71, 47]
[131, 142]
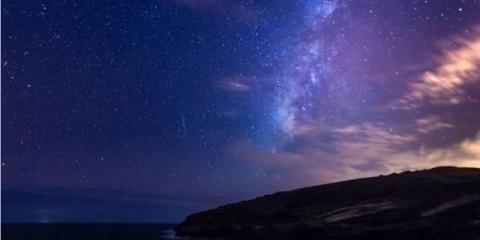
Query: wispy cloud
[377, 151]
[233, 85]
[431, 123]
[457, 67]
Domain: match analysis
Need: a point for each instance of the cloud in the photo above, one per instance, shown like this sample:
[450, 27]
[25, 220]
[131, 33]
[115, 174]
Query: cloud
[320, 155]
[231, 112]
[458, 67]
[395, 152]
[233, 85]
[356, 151]
[463, 154]
[430, 124]
[471, 148]
[305, 166]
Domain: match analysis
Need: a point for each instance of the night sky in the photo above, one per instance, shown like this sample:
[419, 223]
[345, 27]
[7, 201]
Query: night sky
[150, 110]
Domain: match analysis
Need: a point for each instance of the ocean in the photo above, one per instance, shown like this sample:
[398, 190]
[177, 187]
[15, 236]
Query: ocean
[87, 231]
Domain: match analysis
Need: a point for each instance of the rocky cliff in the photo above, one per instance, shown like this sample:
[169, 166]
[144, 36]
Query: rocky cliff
[441, 203]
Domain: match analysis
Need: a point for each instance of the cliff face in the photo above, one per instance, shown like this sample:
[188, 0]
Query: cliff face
[441, 203]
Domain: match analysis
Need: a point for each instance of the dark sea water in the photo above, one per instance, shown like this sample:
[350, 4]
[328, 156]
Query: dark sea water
[81, 231]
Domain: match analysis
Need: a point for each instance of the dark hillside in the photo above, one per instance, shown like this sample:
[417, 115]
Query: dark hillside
[443, 203]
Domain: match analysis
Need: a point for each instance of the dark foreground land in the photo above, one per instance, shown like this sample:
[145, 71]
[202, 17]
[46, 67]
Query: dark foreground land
[441, 203]
[52, 231]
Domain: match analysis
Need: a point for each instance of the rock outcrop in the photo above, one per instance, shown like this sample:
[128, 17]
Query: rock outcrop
[441, 203]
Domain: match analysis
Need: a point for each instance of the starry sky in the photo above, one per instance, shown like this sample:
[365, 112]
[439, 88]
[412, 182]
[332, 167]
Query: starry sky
[146, 111]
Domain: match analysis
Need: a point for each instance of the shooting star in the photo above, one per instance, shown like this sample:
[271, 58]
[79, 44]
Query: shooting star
[184, 125]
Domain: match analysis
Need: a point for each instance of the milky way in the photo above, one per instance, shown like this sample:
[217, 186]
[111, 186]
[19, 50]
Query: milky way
[164, 108]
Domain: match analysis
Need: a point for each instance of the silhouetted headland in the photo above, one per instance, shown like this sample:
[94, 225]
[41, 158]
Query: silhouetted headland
[441, 203]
